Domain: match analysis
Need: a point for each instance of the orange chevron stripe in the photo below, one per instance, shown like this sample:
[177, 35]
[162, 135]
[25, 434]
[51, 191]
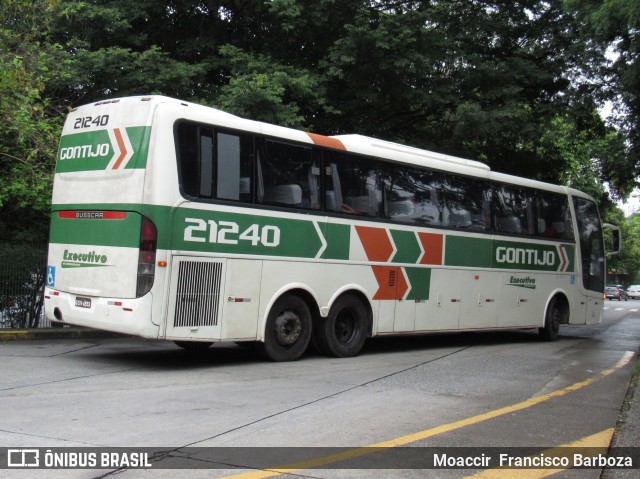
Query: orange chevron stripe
[391, 282]
[376, 243]
[327, 141]
[432, 245]
[122, 146]
[564, 261]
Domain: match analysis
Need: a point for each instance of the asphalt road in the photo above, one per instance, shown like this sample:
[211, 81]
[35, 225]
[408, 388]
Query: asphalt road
[506, 389]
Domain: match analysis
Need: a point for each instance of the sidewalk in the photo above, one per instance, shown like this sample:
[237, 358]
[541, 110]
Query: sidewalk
[54, 333]
[628, 428]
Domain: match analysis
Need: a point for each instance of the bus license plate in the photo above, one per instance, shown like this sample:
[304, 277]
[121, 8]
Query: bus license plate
[83, 302]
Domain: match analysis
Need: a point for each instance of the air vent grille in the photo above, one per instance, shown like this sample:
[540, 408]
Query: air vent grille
[198, 298]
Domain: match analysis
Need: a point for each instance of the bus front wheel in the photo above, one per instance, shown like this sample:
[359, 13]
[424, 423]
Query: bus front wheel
[343, 333]
[288, 329]
[554, 316]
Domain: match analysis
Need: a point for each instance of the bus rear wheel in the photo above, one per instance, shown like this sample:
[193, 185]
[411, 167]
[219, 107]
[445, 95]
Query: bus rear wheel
[555, 315]
[288, 329]
[343, 333]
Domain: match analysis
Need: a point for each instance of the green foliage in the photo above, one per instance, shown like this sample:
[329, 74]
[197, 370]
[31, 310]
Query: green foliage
[588, 160]
[627, 262]
[30, 118]
[261, 88]
[129, 72]
[614, 25]
[514, 84]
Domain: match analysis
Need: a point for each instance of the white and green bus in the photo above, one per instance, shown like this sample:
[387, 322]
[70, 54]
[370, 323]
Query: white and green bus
[176, 221]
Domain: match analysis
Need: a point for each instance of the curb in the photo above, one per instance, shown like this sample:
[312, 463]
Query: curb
[627, 433]
[55, 333]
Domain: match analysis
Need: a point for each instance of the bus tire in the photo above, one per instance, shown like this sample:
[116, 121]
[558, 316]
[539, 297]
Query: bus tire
[552, 319]
[193, 346]
[288, 329]
[343, 332]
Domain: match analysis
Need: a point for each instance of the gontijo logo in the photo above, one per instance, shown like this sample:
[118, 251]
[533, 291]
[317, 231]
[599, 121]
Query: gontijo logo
[85, 151]
[525, 256]
[106, 149]
[118, 149]
[533, 256]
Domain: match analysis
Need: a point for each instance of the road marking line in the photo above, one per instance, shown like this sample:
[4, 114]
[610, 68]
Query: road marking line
[619, 309]
[318, 462]
[600, 440]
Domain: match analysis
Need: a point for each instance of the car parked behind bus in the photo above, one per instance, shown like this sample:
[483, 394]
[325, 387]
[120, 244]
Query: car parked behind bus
[615, 292]
[633, 291]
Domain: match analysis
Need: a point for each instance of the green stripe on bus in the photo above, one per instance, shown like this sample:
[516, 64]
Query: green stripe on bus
[337, 238]
[571, 255]
[232, 233]
[469, 252]
[139, 137]
[420, 281]
[238, 233]
[407, 247]
[122, 232]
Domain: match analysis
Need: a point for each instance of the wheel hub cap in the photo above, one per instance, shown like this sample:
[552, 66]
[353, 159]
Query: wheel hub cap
[288, 328]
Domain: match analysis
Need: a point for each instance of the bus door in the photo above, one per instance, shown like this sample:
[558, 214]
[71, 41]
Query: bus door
[583, 306]
[591, 264]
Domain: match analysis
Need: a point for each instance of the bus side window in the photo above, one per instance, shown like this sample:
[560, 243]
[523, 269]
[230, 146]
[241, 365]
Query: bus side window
[352, 185]
[514, 211]
[195, 157]
[233, 172]
[465, 204]
[288, 175]
[206, 163]
[410, 196]
[332, 188]
[554, 217]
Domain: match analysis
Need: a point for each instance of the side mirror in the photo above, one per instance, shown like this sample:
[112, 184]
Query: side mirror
[612, 238]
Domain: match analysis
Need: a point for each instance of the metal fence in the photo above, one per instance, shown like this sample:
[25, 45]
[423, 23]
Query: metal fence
[22, 278]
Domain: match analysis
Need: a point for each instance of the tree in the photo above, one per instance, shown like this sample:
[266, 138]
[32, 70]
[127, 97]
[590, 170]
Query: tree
[614, 25]
[587, 159]
[483, 79]
[118, 49]
[30, 119]
[626, 264]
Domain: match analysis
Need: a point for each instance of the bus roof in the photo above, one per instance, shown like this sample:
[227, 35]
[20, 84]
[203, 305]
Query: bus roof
[354, 143]
[360, 142]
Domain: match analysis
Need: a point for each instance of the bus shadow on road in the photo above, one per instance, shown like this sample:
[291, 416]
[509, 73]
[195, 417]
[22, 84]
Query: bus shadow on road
[393, 344]
[163, 355]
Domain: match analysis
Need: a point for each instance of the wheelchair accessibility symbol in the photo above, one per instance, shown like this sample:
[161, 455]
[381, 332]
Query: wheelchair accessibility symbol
[51, 276]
